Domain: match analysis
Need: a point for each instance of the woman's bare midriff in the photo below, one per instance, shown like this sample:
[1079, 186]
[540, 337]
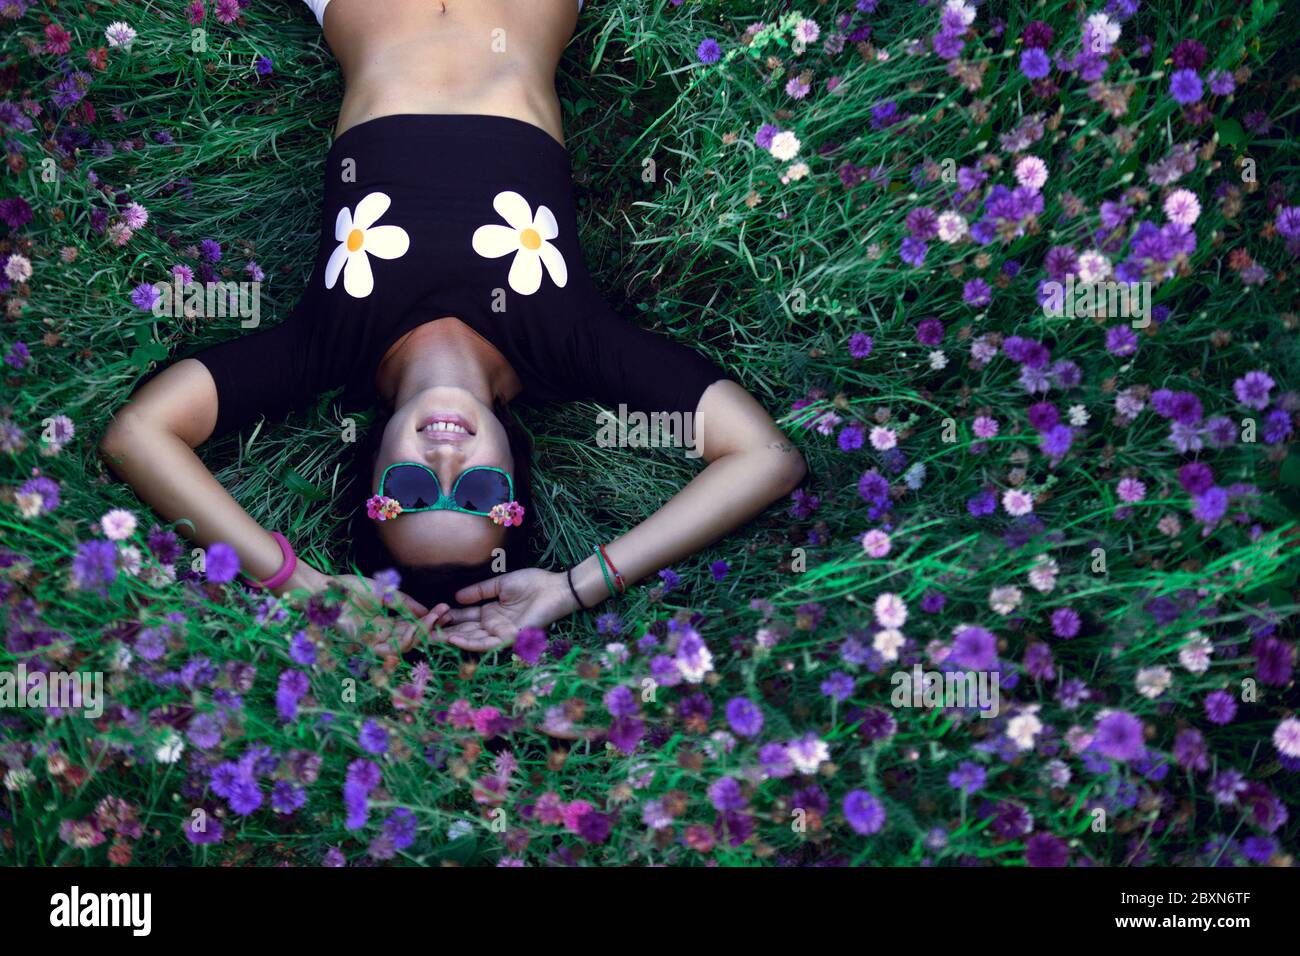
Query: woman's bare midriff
[450, 56]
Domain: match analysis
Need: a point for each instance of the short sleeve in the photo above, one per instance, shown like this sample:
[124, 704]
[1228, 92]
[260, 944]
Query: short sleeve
[267, 373]
[614, 362]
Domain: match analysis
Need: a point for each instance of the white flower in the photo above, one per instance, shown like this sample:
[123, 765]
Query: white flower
[808, 31]
[170, 750]
[794, 172]
[120, 34]
[883, 439]
[1093, 267]
[459, 828]
[18, 268]
[952, 227]
[118, 524]
[130, 560]
[938, 361]
[1031, 172]
[359, 238]
[808, 753]
[1042, 576]
[876, 543]
[1286, 737]
[966, 11]
[890, 610]
[528, 237]
[1182, 206]
[1195, 654]
[1153, 681]
[29, 503]
[1024, 727]
[18, 779]
[1103, 31]
[1005, 599]
[1078, 416]
[888, 642]
[1017, 502]
[785, 146]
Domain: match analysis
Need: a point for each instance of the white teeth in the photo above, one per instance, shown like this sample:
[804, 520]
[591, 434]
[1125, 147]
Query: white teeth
[445, 427]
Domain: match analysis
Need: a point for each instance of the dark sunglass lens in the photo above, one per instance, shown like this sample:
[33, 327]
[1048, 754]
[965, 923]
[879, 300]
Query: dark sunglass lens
[480, 489]
[412, 486]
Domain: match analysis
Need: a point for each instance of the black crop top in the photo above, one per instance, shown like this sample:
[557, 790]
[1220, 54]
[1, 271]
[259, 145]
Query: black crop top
[471, 216]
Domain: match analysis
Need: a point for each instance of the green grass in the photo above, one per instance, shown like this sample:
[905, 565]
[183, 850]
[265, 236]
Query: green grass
[772, 291]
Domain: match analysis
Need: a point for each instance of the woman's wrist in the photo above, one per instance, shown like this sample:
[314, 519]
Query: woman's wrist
[588, 583]
[304, 578]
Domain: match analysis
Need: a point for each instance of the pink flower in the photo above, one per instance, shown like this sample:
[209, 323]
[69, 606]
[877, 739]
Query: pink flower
[1017, 502]
[1182, 206]
[876, 543]
[883, 439]
[1130, 490]
[382, 508]
[508, 514]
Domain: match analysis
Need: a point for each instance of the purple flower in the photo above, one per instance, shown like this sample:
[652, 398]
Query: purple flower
[290, 689]
[968, 777]
[708, 51]
[1196, 477]
[718, 570]
[975, 648]
[1056, 440]
[1045, 849]
[851, 437]
[766, 132]
[912, 251]
[1210, 506]
[1119, 736]
[144, 296]
[744, 716]
[1121, 340]
[976, 292]
[210, 249]
[860, 345]
[373, 738]
[929, 332]
[529, 644]
[625, 733]
[1066, 622]
[865, 813]
[1185, 86]
[94, 567]
[286, 797]
[725, 794]
[1252, 389]
[1035, 63]
[221, 563]
[263, 66]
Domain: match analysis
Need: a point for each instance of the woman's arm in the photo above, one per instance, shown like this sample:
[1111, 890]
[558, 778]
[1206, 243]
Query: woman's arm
[751, 463]
[150, 445]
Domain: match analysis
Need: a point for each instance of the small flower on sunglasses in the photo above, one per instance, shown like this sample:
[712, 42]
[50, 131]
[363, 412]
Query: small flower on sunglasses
[382, 508]
[510, 513]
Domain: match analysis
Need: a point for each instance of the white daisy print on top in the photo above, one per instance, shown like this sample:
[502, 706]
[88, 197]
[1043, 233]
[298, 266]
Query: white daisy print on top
[528, 237]
[359, 239]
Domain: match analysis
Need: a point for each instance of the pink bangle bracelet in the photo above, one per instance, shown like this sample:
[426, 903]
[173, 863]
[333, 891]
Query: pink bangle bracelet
[286, 568]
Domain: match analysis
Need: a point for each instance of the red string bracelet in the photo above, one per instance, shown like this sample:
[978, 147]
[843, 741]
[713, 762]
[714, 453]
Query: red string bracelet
[618, 578]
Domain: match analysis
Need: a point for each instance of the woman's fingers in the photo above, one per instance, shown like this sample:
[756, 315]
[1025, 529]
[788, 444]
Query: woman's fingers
[481, 591]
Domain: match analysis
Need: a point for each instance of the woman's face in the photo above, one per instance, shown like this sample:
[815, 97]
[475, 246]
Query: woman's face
[448, 430]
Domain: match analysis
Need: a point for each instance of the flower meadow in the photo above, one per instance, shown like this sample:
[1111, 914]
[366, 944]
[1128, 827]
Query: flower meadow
[863, 210]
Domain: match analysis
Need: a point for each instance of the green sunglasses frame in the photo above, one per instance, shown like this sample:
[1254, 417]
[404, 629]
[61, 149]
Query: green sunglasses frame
[447, 502]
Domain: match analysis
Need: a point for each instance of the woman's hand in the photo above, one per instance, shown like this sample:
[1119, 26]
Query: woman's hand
[528, 598]
[365, 615]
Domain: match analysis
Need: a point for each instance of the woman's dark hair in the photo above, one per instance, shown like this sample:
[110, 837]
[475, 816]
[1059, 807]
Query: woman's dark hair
[434, 584]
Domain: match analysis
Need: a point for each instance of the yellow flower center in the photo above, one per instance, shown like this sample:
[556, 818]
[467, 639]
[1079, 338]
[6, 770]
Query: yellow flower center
[530, 239]
[355, 238]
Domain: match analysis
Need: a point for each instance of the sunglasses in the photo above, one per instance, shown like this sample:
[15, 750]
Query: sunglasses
[476, 492]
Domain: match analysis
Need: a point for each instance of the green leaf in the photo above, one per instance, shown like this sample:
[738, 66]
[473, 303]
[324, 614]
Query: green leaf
[300, 485]
[1290, 473]
[1230, 132]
